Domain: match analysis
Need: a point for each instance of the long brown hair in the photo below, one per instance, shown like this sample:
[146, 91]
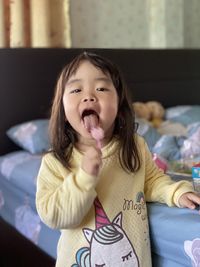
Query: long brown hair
[63, 136]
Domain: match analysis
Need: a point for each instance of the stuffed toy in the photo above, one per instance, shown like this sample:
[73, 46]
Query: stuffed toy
[152, 111]
[157, 113]
[141, 110]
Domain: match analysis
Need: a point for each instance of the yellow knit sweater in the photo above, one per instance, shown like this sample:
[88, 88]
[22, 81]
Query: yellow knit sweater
[103, 220]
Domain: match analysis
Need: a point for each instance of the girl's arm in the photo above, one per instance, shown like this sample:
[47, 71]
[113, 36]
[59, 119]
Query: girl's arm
[63, 198]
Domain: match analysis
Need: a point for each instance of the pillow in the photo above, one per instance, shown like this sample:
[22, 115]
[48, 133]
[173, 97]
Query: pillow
[168, 147]
[149, 133]
[21, 169]
[183, 114]
[192, 128]
[31, 136]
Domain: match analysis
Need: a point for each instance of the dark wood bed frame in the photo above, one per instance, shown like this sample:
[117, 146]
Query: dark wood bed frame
[28, 77]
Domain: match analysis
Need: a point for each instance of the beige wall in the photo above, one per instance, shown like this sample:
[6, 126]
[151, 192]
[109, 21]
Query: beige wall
[135, 23]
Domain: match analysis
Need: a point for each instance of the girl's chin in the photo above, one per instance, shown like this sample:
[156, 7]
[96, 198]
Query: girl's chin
[85, 136]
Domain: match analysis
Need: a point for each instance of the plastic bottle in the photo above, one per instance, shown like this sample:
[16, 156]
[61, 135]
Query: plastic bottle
[196, 177]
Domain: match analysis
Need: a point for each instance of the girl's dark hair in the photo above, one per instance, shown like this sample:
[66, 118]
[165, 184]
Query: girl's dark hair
[62, 135]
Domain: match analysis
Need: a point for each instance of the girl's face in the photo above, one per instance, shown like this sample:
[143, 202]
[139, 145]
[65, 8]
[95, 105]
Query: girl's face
[90, 91]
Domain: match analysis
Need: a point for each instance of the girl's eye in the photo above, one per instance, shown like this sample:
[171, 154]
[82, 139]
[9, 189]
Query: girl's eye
[75, 91]
[101, 89]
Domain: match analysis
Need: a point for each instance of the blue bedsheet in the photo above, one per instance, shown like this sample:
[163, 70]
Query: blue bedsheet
[17, 204]
[175, 236]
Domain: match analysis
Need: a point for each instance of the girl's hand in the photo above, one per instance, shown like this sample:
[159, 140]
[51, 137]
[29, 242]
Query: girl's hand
[92, 161]
[189, 200]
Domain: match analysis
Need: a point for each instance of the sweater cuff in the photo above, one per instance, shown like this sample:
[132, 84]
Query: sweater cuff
[186, 188]
[85, 181]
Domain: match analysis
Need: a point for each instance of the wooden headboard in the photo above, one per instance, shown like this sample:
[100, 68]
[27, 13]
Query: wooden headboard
[28, 77]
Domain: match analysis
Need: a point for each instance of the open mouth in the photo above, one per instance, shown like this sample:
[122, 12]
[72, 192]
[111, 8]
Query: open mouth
[90, 119]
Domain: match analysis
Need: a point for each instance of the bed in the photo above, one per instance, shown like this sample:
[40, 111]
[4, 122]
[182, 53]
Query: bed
[27, 81]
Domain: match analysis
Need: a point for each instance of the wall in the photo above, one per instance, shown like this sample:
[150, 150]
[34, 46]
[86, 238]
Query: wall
[135, 23]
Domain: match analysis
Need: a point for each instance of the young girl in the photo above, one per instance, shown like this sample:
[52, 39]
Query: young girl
[98, 170]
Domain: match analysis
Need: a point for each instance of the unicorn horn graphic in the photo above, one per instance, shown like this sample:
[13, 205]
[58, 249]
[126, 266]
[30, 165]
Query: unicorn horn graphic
[101, 218]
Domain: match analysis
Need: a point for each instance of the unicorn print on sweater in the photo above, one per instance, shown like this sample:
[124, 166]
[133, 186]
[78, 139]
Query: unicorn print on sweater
[109, 244]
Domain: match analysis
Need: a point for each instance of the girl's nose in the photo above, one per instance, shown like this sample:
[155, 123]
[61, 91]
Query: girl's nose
[89, 99]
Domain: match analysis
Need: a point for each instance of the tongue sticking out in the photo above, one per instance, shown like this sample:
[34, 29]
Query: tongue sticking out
[91, 124]
[98, 134]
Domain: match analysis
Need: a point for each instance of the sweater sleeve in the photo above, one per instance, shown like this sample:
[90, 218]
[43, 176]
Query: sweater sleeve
[159, 186]
[63, 198]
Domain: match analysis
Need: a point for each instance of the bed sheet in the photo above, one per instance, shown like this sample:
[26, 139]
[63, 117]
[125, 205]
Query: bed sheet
[20, 168]
[17, 207]
[175, 236]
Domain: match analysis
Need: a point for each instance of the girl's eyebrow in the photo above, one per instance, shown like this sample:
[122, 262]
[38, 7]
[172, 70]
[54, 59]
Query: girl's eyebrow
[105, 79]
[73, 81]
